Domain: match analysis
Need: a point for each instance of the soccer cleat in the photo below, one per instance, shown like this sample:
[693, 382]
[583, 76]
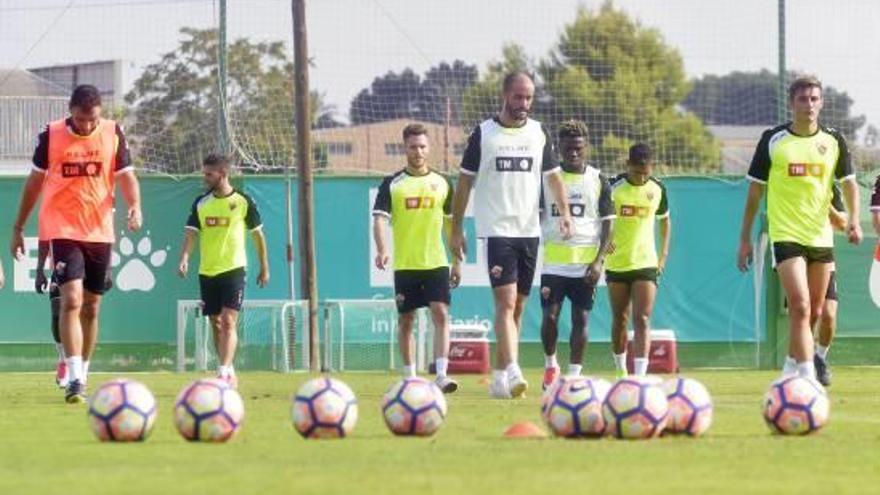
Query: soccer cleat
[518, 386]
[550, 375]
[498, 389]
[61, 378]
[621, 374]
[446, 384]
[75, 393]
[823, 372]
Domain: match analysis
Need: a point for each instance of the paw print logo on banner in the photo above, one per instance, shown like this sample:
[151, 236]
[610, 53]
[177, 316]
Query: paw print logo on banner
[137, 263]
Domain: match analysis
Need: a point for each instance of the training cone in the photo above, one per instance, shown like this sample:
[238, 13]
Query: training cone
[484, 380]
[525, 429]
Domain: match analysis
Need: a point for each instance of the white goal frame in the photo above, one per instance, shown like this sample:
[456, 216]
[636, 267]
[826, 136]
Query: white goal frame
[202, 331]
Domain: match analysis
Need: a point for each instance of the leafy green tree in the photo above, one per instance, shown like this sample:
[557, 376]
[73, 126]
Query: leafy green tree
[626, 83]
[408, 95]
[619, 77]
[175, 103]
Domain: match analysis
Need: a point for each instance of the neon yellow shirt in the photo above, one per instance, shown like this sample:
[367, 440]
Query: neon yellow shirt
[416, 206]
[222, 223]
[799, 172]
[637, 208]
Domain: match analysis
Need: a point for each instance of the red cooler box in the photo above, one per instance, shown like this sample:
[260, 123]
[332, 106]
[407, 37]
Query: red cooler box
[468, 349]
[662, 356]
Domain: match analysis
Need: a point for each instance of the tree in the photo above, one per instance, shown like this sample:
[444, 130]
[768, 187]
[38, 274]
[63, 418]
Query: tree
[749, 98]
[626, 83]
[618, 77]
[484, 98]
[407, 95]
[176, 101]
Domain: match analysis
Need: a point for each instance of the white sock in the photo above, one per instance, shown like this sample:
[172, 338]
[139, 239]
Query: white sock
[223, 371]
[59, 348]
[821, 351]
[640, 366]
[789, 366]
[620, 361]
[74, 367]
[85, 371]
[574, 369]
[807, 370]
[550, 361]
[231, 369]
[499, 376]
[409, 370]
[442, 364]
[513, 371]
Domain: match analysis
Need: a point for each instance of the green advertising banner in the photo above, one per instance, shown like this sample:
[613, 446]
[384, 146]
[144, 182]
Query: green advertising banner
[702, 297]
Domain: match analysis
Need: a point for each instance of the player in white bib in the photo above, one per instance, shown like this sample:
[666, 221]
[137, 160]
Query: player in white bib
[572, 266]
[505, 158]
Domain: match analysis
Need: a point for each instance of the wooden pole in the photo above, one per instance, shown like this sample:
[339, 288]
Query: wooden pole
[308, 270]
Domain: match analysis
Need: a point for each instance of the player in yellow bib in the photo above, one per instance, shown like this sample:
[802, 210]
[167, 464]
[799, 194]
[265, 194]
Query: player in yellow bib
[417, 201]
[632, 269]
[572, 266]
[221, 217]
[797, 163]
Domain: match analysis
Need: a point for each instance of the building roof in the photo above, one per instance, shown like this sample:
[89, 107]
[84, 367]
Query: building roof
[377, 148]
[19, 82]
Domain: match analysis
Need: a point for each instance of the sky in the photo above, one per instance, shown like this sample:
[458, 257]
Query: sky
[353, 41]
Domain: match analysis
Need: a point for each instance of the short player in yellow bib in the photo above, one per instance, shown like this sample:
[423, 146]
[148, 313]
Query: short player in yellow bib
[797, 163]
[572, 266]
[221, 218]
[632, 269]
[418, 202]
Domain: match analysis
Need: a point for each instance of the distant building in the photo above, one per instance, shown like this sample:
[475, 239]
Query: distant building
[27, 103]
[29, 99]
[738, 144]
[378, 148]
[105, 75]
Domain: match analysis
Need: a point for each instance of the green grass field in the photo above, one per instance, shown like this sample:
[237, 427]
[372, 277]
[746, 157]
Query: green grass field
[47, 447]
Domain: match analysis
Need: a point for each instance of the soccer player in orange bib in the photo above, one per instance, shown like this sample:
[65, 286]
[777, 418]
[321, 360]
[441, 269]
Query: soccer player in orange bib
[77, 162]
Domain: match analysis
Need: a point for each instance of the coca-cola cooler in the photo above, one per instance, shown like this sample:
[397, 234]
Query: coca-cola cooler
[662, 353]
[468, 349]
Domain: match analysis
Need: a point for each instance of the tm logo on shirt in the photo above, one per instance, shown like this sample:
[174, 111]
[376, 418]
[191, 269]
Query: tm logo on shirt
[80, 169]
[514, 163]
[417, 202]
[574, 209]
[806, 169]
[633, 211]
[216, 221]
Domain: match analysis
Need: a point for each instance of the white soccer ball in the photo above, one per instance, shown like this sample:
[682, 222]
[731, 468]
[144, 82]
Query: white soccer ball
[574, 409]
[208, 410]
[796, 406]
[324, 408]
[122, 411]
[414, 406]
[690, 406]
[635, 408]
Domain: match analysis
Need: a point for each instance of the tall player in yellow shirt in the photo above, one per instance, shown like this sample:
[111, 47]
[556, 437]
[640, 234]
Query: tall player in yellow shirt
[220, 218]
[796, 163]
[418, 203]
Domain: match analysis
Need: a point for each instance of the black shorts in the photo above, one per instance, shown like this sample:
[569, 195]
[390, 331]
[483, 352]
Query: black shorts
[224, 290]
[78, 260]
[512, 259]
[415, 289]
[831, 293]
[630, 276]
[786, 250]
[555, 288]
